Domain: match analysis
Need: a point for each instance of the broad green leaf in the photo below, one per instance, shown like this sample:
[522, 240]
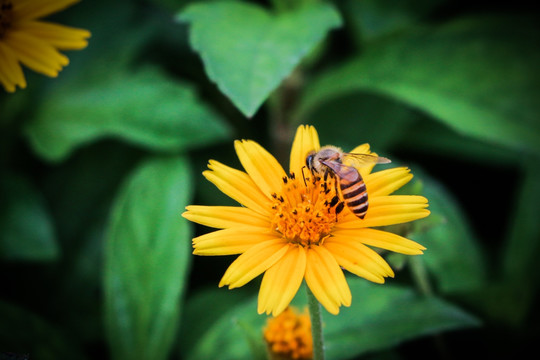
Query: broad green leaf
[26, 335]
[202, 310]
[523, 241]
[380, 317]
[359, 118]
[229, 338]
[371, 19]
[383, 316]
[477, 75]
[26, 227]
[438, 139]
[453, 257]
[147, 108]
[147, 257]
[247, 51]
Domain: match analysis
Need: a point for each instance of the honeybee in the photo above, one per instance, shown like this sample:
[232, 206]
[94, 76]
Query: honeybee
[329, 161]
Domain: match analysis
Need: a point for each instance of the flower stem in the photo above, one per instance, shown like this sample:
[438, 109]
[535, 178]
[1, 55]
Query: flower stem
[316, 325]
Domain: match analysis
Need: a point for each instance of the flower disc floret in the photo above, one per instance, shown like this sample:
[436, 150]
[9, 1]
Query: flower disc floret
[306, 210]
[288, 336]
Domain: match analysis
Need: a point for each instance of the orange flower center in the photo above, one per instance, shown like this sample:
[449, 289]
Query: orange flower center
[288, 336]
[5, 16]
[307, 209]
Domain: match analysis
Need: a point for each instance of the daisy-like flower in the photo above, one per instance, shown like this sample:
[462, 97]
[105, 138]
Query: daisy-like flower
[288, 336]
[32, 42]
[290, 227]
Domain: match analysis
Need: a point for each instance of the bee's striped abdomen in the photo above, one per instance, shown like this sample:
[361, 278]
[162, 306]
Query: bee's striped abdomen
[355, 195]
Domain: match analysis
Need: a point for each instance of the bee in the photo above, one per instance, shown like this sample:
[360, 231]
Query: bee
[332, 161]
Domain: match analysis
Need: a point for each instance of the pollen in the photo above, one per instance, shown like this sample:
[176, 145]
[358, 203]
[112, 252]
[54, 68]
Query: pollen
[5, 16]
[306, 209]
[288, 336]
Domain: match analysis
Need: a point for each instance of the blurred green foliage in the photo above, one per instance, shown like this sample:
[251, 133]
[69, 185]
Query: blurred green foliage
[97, 165]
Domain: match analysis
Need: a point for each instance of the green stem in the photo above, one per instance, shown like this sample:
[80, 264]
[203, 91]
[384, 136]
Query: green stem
[316, 325]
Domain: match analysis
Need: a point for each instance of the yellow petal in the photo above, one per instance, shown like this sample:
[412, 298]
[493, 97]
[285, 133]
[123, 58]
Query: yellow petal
[254, 262]
[239, 186]
[305, 140]
[59, 36]
[223, 217]
[326, 279]
[33, 9]
[230, 241]
[36, 54]
[263, 168]
[387, 181]
[387, 210]
[361, 149]
[381, 239]
[391, 200]
[358, 259]
[11, 74]
[281, 281]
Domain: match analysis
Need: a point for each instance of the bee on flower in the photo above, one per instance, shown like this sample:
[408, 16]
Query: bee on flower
[299, 225]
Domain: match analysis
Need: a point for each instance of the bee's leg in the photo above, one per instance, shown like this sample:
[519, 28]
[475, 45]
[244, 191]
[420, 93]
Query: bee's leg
[303, 176]
[333, 202]
[326, 174]
[339, 208]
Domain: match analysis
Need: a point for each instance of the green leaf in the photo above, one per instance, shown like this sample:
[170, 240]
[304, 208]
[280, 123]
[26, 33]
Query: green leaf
[439, 140]
[147, 259]
[247, 51]
[382, 316]
[230, 337]
[376, 18]
[453, 257]
[26, 228]
[523, 241]
[478, 75]
[369, 112]
[202, 310]
[147, 108]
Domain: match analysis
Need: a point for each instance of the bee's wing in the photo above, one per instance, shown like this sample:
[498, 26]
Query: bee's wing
[361, 160]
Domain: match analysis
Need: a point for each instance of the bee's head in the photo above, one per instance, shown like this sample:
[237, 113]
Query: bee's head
[309, 160]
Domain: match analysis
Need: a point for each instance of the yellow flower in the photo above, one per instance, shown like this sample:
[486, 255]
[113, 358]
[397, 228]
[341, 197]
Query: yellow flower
[32, 42]
[288, 336]
[290, 227]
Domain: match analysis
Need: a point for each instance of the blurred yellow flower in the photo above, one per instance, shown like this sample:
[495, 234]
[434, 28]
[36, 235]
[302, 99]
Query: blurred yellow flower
[288, 336]
[34, 43]
[290, 227]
